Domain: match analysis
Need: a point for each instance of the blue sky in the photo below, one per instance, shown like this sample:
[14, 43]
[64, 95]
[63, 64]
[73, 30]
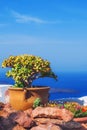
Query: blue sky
[53, 29]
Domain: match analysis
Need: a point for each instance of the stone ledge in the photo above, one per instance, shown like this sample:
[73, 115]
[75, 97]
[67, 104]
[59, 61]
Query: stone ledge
[11, 119]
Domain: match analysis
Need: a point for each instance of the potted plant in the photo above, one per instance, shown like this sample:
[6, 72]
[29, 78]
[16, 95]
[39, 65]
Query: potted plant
[24, 69]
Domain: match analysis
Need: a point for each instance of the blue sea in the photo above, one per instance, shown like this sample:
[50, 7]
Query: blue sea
[69, 84]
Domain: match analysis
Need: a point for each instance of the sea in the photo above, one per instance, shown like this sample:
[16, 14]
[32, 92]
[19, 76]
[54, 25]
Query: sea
[68, 85]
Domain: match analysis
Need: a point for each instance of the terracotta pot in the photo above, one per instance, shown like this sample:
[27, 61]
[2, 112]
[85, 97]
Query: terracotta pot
[22, 99]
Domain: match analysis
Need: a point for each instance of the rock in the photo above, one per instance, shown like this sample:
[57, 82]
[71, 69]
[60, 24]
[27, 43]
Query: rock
[46, 127]
[65, 125]
[84, 126]
[66, 115]
[1, 127]
[1, 105]
[81, 119]
[8, 114]
[71, 125]
[48, 120]
[52, 112]
[7, 109]
[4, 113]
[22, 119]
[55, 127]
[6, 124]
[18, 127]
[28, 111]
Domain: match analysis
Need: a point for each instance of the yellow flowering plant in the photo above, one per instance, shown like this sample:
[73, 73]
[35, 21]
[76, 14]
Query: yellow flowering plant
[26, 68]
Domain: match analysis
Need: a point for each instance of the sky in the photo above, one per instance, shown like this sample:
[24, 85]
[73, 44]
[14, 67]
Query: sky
[56, 30]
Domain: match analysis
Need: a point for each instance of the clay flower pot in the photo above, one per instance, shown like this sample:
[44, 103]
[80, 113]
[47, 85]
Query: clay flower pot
[22, 99]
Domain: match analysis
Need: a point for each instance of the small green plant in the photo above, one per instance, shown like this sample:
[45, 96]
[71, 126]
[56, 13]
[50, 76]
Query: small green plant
[80, 113]
[72, 106]
[26, 68]
[37, 103]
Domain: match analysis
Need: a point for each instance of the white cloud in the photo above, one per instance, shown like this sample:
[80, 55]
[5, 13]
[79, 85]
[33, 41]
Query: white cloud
[20, 18]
